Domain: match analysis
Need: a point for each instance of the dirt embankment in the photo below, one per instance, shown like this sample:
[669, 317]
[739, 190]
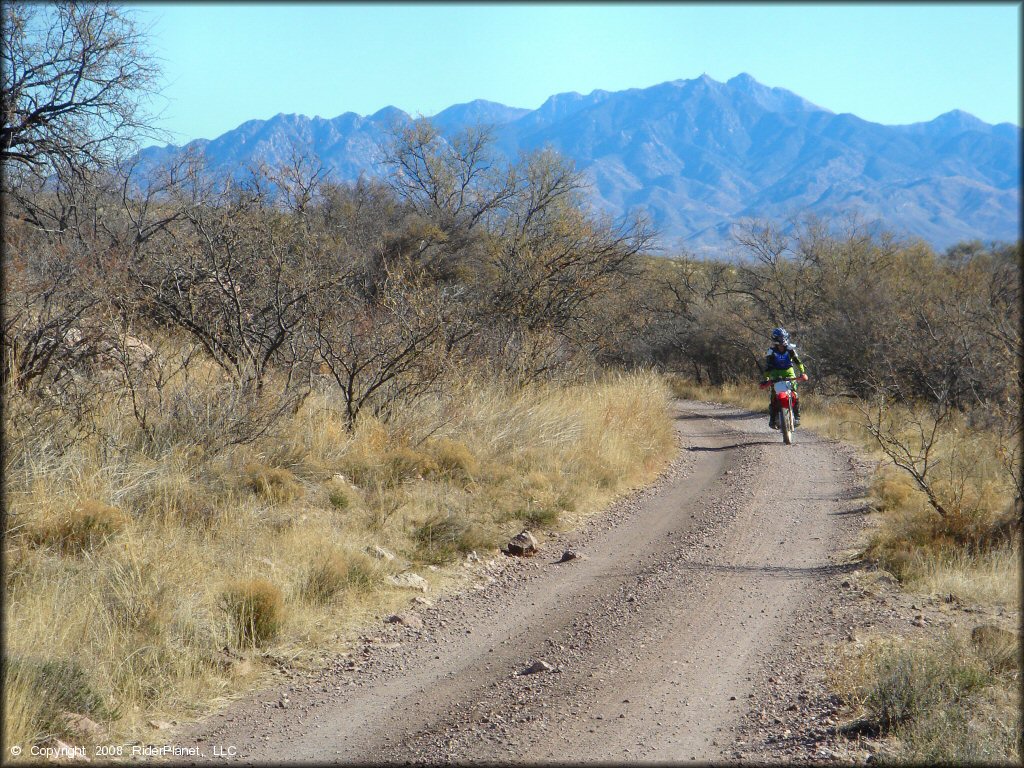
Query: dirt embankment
[661, 638]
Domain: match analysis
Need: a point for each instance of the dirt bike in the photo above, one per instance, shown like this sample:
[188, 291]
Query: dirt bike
[783, 396]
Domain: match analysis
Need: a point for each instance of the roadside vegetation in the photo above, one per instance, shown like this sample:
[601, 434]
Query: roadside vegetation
[236, 408]
[141, 588]
[927, 383]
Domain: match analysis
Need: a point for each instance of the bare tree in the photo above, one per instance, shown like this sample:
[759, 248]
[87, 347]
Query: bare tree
[237, 275]
[454, 181]
[75, 79]
[774, 272]
[382, 353]
[50, 337]
[455, 185]
[911, 440]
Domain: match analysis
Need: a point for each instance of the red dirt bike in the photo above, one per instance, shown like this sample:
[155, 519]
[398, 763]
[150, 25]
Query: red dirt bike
[783, 395]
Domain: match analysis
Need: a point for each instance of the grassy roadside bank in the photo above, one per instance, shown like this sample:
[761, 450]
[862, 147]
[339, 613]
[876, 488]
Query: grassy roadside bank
[953, 696]
[141, 588]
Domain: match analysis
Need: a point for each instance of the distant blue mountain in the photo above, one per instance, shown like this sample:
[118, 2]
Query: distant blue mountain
[699, 155]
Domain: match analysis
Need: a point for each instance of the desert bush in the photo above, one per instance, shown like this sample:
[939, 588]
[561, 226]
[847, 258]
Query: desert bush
[80, 528]
[1000, 648]
[539, 515]
[337, 571]
[214, 416]
[992, 577]
[256, 610]
[272, 483]
[384, 354]
[912, 542]
[942, 700]
[454, 460]
[911, 683]
[339, 496]
[445, 534]
[985, 733]
[24, 715]
[890, 491]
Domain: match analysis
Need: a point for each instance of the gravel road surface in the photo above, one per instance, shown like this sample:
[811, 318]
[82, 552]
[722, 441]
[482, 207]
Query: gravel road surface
[654, 640]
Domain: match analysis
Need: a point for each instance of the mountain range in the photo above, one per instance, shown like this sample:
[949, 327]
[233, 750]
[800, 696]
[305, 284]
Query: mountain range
[699, 155]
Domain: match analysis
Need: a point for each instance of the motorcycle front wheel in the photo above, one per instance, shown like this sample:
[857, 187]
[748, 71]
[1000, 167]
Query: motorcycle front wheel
[787, 425]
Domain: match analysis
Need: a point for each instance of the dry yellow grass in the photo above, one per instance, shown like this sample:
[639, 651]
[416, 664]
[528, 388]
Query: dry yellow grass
[23, 709]
[992, 578]
[140, 606]
[256, 610]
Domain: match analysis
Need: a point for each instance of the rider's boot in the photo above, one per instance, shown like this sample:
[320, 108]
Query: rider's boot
[773, 419]
[796, 412]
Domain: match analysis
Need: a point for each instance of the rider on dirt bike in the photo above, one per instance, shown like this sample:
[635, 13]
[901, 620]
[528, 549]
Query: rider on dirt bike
[779, 364]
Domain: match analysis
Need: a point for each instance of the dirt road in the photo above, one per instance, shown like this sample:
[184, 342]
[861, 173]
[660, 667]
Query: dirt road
[657, 636]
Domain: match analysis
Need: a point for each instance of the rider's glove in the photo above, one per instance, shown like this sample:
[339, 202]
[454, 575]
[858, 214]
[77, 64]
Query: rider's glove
[803, 377]
[763, 385]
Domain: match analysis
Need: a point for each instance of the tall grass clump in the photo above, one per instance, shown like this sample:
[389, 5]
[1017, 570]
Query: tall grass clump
[443, 536]
[275, 484]
[43, 691]
[256, 610]
[334, 572]
[80, 528]
[25, 715]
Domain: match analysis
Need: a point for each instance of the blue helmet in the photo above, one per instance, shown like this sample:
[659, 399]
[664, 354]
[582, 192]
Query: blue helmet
[780, 336]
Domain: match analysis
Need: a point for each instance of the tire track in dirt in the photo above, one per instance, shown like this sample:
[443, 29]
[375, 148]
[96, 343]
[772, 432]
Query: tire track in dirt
[657, 635]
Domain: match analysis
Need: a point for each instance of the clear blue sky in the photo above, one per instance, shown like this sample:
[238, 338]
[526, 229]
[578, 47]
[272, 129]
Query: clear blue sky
[893, 64]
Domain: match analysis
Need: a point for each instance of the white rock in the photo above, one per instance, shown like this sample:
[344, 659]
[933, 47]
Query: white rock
[410, 581]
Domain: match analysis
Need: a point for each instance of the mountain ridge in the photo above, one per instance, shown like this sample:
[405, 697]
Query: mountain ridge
[697, 155]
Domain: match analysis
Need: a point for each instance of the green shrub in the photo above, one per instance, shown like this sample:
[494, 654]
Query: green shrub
[910, 682]
[338, 498]
[60, 685]
[256, 610]
[539, 516]
[962, 734]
